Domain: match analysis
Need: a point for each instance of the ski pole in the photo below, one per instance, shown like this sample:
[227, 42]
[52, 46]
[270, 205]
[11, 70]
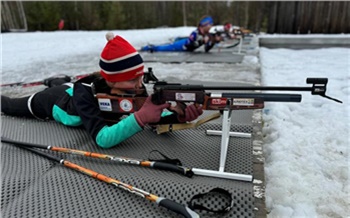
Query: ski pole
[145, 163]
[148, 76]
[22, 84]
[161, 201]
[38, 83]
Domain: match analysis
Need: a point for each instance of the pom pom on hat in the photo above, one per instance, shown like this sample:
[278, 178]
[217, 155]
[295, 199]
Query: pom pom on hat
[119, 60]
[109, 36]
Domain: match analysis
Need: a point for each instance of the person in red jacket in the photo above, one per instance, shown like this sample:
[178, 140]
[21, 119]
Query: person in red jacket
[76, 105]
[61, 24]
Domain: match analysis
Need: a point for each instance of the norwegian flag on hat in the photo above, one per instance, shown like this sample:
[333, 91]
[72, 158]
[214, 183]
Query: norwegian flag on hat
[119, 60]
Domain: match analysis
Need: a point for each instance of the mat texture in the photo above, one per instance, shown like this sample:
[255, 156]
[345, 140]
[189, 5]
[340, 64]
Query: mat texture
[33, 186]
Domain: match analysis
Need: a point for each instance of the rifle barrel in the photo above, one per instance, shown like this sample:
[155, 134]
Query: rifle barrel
[231, 88]
[266, 96]
[262, 88]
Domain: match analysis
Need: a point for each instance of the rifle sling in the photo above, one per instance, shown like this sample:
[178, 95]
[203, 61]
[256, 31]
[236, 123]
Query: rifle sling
[215, 193]
[180, 126]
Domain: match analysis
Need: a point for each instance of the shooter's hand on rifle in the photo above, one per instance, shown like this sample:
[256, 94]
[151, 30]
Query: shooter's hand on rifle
[190, 113]
[149, 112]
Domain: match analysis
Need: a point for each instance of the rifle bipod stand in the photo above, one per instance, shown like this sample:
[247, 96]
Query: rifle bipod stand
[225, 137]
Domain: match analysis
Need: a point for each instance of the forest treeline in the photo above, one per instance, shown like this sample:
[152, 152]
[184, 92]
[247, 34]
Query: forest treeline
[271, 17]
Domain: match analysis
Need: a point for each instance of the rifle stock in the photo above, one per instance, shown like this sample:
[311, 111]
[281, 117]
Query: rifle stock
[233, 101]
[119, 104]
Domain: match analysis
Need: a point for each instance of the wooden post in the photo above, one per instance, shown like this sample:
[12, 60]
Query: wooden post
[184, 13]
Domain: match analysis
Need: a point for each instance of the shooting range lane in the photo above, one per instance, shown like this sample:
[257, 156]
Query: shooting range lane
[33, 186]
[187, 57]
[215, 55]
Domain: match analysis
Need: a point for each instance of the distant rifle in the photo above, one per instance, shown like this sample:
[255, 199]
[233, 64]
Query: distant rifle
[226, 41]
[230, 34]
[180, 93]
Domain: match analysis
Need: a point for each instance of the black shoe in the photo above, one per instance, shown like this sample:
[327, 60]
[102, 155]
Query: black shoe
[56, 81]
[149, 48]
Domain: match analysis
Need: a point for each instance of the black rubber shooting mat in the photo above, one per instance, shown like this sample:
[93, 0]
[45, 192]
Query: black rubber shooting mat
[190, 57]
[33, 186]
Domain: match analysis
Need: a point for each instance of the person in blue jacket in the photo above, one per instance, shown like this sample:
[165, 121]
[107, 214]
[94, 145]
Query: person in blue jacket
[197, 38]
[76, 104]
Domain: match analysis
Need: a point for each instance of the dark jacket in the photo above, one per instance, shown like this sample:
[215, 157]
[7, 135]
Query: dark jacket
[196, 39]
[80, 107]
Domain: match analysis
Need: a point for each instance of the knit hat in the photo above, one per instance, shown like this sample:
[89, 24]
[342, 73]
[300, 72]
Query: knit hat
[119, 60]
[206, 20]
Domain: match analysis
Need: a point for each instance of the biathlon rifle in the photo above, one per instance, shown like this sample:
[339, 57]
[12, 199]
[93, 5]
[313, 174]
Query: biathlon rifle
[180, 93]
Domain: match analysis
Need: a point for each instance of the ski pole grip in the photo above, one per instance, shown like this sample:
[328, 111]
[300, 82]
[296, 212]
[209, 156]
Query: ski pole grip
[174, 168]
[316, 80]
[177, 208]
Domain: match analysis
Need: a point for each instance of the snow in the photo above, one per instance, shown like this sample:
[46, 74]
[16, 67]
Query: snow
[306, 145]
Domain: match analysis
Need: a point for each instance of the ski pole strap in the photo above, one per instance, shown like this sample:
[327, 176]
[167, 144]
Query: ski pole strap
[214, 192]
[177, 208]
[165, 160]
[169, 164]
